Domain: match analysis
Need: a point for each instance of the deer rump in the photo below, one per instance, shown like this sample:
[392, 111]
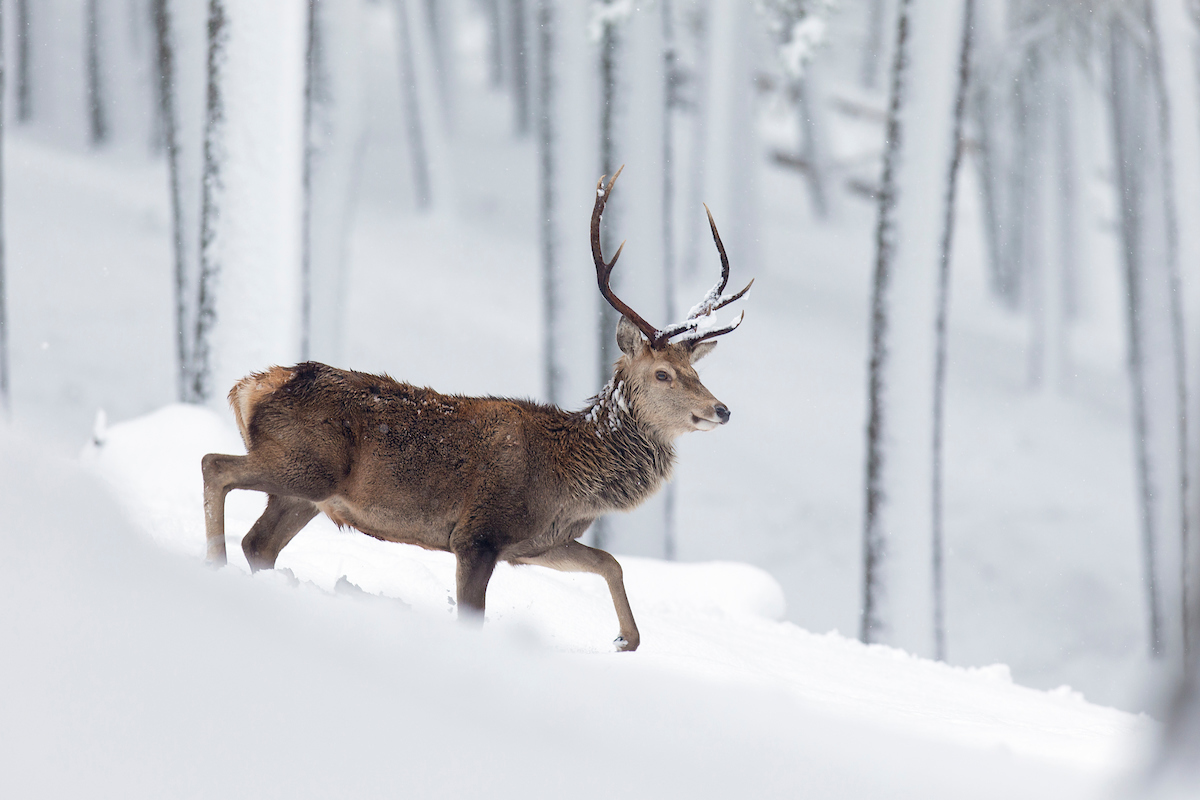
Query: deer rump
[485, 478]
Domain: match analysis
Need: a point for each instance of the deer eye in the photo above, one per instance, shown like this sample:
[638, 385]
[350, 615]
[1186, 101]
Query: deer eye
[662, 376]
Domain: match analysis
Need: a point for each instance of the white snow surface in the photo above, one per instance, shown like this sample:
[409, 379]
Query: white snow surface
[143, 673]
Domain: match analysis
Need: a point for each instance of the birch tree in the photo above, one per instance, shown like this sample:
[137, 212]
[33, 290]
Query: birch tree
[250, 277]
[902, 603]
[182, 40]
[1141, 137]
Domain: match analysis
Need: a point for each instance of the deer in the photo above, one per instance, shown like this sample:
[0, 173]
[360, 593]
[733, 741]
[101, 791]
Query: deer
[487, 479]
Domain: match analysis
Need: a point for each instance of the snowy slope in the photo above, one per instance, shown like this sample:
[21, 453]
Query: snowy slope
[143, 673]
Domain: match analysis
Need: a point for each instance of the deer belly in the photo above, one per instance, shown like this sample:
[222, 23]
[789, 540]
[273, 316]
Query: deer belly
[387, 524]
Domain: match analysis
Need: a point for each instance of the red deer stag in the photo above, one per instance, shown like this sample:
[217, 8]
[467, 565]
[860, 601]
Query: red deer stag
[484, 478]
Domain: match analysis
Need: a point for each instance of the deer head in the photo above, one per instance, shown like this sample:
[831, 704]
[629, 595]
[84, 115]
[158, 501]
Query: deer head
[657, 364]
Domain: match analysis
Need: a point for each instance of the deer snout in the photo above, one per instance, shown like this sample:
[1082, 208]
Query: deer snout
[713, 416]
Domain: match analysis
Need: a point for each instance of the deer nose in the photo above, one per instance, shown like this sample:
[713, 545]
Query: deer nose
[722, 413]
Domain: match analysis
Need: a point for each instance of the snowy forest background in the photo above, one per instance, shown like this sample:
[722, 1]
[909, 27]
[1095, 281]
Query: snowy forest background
[965, 396]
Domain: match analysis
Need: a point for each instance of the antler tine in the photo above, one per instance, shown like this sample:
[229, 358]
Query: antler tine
[604, 269]
[715, 299]
[719, 331]
[720, 249]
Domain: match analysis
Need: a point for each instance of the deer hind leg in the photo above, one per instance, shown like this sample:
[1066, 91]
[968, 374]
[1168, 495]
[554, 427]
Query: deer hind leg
[223, 473]
[277, 526]
[576, 557]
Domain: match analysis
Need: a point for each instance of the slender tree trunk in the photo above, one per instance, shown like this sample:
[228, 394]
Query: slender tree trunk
[1148, 232]
[5, 390]
[872, 51]
[495, 54]
[670, 86]
[250, 287]
[425, 110]
[903, 603]
[97, 114]
[1180, 37]
[182, 41]
[24, 86]
[522, 91]
[609, 67]
[814, 149]
[334, 131]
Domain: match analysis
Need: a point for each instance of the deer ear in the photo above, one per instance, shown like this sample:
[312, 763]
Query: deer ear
[701, 350]
[629, 338]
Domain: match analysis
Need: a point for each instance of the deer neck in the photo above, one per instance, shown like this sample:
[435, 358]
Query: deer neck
[633, 461]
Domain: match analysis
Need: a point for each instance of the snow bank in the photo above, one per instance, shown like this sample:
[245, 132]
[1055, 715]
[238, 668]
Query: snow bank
[135, 672]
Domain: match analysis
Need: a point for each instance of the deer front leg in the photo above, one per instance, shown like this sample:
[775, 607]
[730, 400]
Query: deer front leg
[576, 557]
[474, 565]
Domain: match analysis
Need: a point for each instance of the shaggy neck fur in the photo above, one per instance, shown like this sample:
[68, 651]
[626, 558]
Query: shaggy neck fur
[633, 460]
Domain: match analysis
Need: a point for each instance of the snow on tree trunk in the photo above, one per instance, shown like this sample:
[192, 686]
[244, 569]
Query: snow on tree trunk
[335, 130]
[565, 129]
[1180, 40]
[902, 583]
[182, 33]
[815, 147]
[124, 45]
[1174, 773]
[424, 109]
[5, 391]
[57, 33]
[1147, 221]
[874, 55]
[1047, 210]
[638, 111]
[996, 109]
[733, 155]
[250, 292]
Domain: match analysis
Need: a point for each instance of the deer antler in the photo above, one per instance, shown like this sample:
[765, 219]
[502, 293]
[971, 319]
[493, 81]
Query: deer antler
[604, 269]
[694, 326]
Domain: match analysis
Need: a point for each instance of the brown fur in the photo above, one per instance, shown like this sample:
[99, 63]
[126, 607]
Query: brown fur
[485, 478]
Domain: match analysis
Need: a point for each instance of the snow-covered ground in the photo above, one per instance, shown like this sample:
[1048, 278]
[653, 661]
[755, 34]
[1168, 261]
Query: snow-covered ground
[135, 671]
[145, 674]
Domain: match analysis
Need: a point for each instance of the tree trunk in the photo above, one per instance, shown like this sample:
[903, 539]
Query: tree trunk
[250, 287]
[1147, 216]
[519, 50]
[24, 86]
[902, 603]
[636, 213]
[564, 79]
[1180, 39]
[332, 155]
[733, 154]
[182, 38]
[5, 390]
[425, 111]
[97, 114]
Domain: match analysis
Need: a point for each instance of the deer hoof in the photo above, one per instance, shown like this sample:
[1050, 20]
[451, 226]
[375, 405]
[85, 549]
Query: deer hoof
[624, 645]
